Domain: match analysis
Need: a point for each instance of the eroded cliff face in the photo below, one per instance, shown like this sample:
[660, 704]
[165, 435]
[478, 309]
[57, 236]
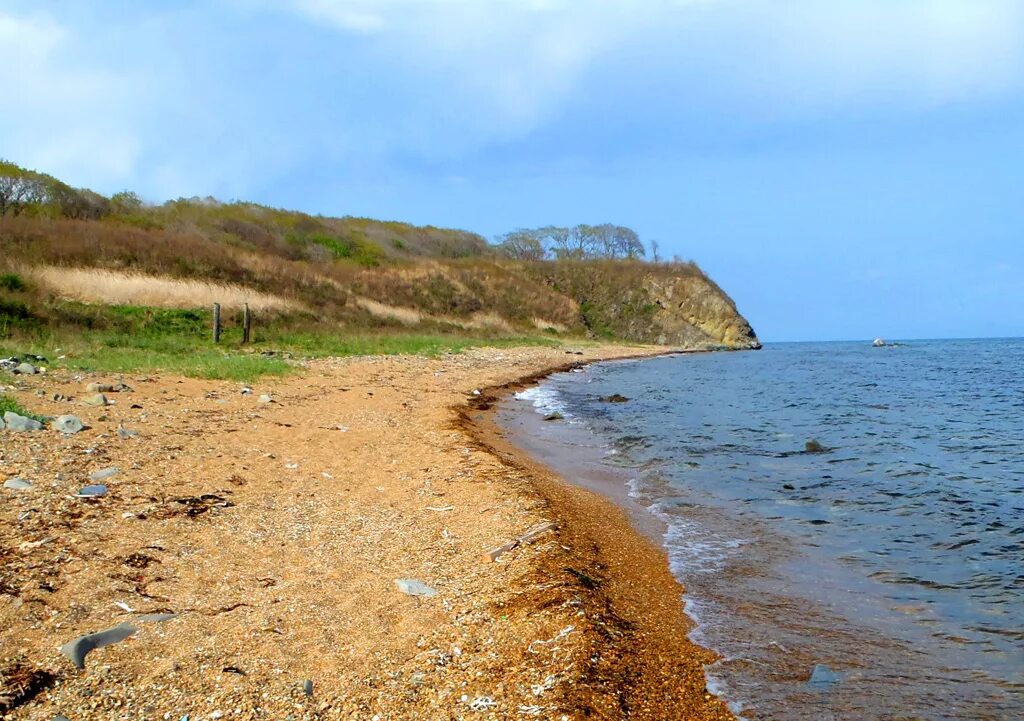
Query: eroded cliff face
[667, 304]
[693, 311]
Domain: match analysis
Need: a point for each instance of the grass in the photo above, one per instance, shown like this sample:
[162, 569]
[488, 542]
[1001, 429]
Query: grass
[123, 339]
[10, 404]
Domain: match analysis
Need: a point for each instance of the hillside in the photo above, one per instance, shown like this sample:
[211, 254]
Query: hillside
[75, 259]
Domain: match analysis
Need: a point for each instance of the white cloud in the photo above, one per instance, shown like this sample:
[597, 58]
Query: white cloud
[58, 114]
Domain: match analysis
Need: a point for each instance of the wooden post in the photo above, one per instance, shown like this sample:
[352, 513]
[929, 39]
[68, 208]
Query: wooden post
[246, 324]
[216, 322]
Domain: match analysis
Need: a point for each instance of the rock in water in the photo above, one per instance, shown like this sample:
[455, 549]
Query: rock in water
[17, 484]
[615, 398]
[878, 342]
[413, 587]
[78, 649]
[68, 425]
[21, 423]
[822, 678]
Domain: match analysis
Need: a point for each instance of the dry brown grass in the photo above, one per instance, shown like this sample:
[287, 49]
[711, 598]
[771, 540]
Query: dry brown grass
[92, 285]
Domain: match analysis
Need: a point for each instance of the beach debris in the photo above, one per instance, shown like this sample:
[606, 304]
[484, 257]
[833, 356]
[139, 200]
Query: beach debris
[97, 400]
[307, 687]
[615, 398]
[193, 506]
[561, 635]
[77, 650]
[823, 678]
[482, 703]
[104, 474]
[124, 606]
[233, 669]
[264, 399]
[414, 587]
[156, 617]
[18, 484]
[528, 537]
[556, 416]
[440, 508]
[19, 684]
[533, 710]
[68, 425]
[108, 388]
[17, 422]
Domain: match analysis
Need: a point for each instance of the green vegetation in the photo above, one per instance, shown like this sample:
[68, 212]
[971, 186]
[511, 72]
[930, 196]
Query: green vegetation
[10, 404]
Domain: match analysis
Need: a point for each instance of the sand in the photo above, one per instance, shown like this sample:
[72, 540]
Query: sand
[276, 533]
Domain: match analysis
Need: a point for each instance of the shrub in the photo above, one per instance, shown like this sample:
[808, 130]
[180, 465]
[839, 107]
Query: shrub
[12, 282]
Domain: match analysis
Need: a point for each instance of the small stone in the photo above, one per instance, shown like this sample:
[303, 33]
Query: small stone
[94, 491]
[68, 425]
[25, 369]
[104, 474]
[413, 587]
[127, 432]
[265, 399]
[307, 687]
[17, 484]
[16, 422]
[97, 400]
[822, 678]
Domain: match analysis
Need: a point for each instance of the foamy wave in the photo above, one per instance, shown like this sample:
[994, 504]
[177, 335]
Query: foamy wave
[545, 400]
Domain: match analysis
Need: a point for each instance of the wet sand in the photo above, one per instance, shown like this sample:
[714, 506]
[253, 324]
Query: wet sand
[276, 532]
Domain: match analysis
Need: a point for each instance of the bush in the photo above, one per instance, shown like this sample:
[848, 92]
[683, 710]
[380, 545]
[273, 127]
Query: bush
[12, 282]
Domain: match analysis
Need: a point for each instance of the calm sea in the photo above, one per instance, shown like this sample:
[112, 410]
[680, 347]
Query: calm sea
[880, 579]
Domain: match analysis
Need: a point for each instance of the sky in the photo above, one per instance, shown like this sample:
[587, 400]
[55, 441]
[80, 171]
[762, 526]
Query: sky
[845, 169]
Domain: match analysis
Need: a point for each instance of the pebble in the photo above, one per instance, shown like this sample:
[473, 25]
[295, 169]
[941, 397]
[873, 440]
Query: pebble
[104, 474]
[17, 484]
[822, 677]
[95, 491]
[68, 425]
[413, 587]
[265, 399]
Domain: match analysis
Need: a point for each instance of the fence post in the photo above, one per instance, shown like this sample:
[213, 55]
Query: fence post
[216, 322]
[246, 324]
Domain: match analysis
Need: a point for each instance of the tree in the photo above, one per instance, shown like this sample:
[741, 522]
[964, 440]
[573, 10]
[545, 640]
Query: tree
[523, 244]
[654, 251]
[125, 203]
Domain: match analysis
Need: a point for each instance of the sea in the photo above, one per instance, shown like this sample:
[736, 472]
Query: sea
[847, 521]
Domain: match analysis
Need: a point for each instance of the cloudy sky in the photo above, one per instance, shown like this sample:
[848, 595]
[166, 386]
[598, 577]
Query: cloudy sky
[844, 168]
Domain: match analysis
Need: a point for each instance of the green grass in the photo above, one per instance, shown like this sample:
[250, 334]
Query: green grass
[10, 404]
[131, 339]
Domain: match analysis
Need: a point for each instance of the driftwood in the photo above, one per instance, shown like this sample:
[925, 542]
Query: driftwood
[495, 553]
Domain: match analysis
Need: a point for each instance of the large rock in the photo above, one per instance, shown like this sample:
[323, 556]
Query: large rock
[21, 423]
[68, 425]
[25, 369]
[97, 400]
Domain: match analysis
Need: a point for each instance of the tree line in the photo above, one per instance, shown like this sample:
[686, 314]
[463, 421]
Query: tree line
[575, 243]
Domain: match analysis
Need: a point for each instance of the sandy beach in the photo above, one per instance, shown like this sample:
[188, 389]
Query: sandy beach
[275, 533]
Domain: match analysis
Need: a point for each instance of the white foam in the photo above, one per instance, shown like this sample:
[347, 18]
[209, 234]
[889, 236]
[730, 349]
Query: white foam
[545, 400]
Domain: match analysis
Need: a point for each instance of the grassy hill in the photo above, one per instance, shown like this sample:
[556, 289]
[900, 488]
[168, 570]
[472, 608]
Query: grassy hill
[79, 267]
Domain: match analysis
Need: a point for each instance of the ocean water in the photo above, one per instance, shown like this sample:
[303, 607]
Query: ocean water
[880, 579]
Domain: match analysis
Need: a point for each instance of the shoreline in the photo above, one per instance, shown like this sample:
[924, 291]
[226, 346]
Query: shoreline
[657, 671]
[276, 532]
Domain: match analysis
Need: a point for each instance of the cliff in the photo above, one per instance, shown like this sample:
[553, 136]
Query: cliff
[69, 254]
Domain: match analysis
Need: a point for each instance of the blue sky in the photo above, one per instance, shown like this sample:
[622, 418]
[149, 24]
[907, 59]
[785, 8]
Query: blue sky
[844, 168]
